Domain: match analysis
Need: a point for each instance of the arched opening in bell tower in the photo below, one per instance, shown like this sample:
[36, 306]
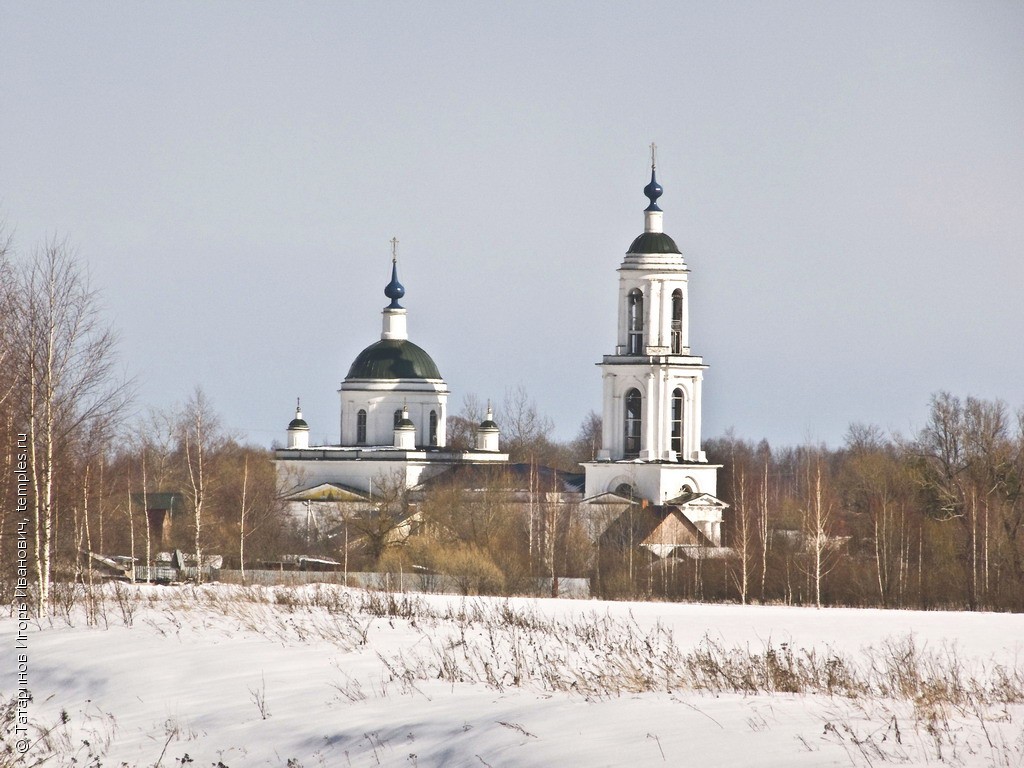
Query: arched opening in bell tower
[677, 322]
[677, 423]
[634, 423]
[635, 321]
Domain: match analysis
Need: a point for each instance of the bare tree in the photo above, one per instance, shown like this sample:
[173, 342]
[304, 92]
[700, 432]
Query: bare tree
[588, 439]
[743, 530]
[762, 521]
[817, 527]
[525, 432]
[965, 461]
[8, 380]
[878, 487]
[68, 363]
[461, 427]
[200, 436]
[241, 518]
[386, 523]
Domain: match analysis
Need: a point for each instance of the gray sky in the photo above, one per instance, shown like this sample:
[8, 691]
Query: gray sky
[846, 181]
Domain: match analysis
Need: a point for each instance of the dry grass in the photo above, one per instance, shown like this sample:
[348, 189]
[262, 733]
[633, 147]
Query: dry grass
[878, 699]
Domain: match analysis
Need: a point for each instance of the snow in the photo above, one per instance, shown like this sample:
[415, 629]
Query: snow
[216, 675]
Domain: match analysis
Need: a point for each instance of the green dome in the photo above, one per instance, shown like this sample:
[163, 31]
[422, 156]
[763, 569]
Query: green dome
[298, 424]
[653, 242]
[393, 359]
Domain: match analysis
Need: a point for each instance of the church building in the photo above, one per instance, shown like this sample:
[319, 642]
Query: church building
[394, 406]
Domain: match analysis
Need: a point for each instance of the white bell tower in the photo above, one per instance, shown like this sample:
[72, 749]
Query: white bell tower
[652, 384]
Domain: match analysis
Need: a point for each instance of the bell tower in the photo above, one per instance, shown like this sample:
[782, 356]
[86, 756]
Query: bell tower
[652, 383]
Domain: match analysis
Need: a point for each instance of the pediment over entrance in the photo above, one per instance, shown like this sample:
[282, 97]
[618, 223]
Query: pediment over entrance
[328, 492]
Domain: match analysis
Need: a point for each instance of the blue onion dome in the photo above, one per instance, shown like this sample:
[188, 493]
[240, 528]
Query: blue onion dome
[653, 192]
[394, 290]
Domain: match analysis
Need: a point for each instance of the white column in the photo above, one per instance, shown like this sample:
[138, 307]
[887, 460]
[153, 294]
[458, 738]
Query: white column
[608, 449]
[695, 429]
[647, 414]
[666, 415]
[623, 332]
[686, 314]
[653, 313]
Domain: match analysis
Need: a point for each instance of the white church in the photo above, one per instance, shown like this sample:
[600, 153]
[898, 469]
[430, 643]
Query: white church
[394, 406]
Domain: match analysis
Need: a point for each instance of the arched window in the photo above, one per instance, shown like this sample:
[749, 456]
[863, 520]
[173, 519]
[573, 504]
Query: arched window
[361, 428]
[677, 322]
[677, 423]
[634, 423]
[635, 321]
[433, 427]
[398, 417]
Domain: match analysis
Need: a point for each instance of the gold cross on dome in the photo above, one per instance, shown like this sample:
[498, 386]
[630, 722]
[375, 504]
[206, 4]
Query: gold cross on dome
[394, 249]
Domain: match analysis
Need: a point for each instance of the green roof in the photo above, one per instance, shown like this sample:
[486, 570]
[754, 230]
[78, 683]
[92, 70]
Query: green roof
[393, 359]
[653, 242]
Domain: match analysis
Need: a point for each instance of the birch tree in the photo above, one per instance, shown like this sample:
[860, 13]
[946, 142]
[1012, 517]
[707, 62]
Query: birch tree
[817, 529]
[200, 437]
[68, 358]
[877, 487]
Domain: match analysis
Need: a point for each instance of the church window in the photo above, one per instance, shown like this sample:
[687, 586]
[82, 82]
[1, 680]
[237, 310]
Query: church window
[398, 417]
[433, 427]
[677, 422]
[361, 428]
[677, 322]
[633, 423]
[635, 321]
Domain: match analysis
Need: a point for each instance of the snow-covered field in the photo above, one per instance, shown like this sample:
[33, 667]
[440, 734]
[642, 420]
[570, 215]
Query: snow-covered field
[328, 676]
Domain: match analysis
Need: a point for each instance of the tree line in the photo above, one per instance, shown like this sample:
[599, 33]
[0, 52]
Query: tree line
[933, 520]
[79, 462]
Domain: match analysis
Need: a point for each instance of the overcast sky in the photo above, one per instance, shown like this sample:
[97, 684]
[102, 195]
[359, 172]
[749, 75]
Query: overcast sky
[846, 181]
